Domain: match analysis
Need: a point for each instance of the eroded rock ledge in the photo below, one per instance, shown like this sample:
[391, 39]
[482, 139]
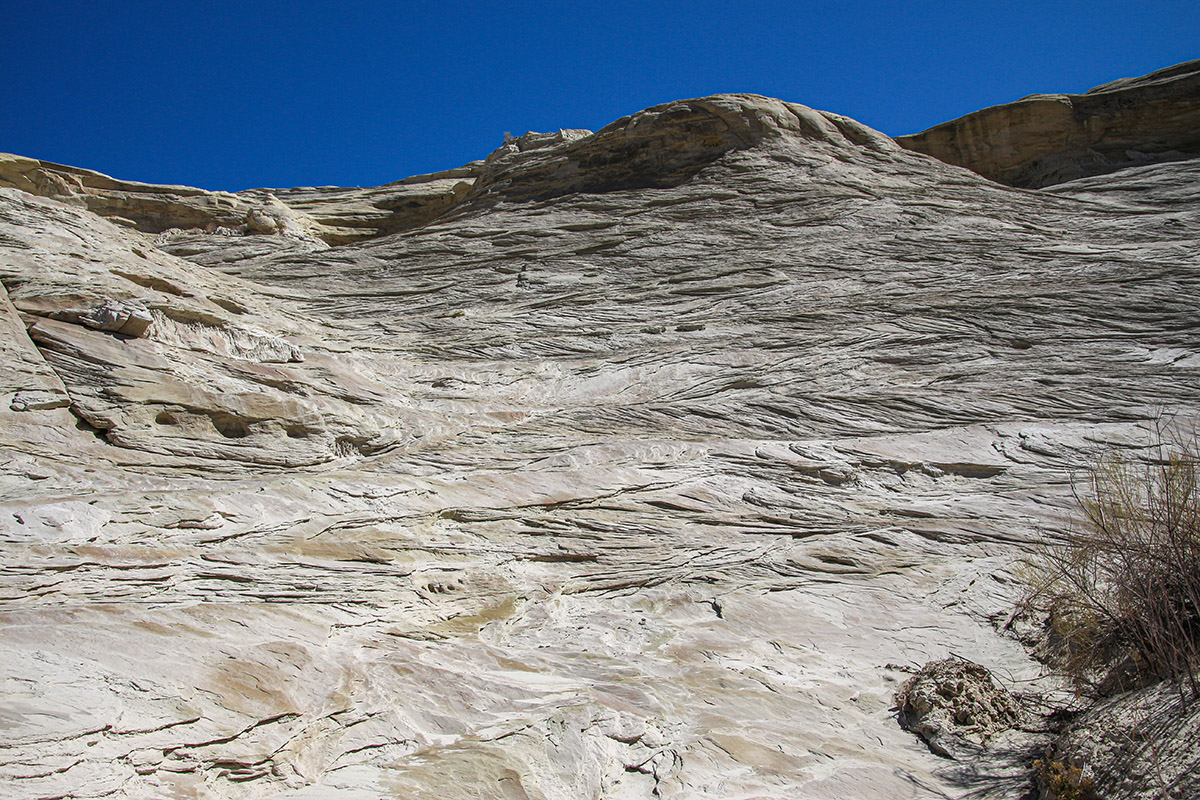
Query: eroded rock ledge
[1046, 139]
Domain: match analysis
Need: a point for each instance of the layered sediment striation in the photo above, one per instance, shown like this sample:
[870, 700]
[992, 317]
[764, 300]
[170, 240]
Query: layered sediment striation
[642, 463]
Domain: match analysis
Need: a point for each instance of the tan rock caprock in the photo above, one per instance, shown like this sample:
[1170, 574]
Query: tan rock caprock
[1045, 139]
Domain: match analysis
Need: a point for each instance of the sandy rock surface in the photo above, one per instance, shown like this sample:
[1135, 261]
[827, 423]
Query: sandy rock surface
[649, 467]
[1137, 746]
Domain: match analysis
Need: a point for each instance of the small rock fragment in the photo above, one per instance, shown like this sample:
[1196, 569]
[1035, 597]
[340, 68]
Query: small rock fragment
[127, 317]
[38, 400]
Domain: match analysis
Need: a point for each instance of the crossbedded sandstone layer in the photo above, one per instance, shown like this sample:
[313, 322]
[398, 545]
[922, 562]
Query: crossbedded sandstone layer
[632, 464]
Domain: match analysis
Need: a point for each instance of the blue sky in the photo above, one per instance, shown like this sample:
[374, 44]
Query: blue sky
[233, 95]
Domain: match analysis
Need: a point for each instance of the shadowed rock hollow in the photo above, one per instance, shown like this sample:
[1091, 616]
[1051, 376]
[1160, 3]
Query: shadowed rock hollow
[642, 463]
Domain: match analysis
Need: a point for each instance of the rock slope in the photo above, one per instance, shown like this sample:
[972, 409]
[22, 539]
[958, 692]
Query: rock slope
[643, 463]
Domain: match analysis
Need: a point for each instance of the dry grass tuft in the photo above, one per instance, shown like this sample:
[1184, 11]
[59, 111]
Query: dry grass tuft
[1124, 585]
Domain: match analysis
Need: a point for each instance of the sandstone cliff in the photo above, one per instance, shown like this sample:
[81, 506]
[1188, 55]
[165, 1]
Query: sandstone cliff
[1045, 139]
[643, 463]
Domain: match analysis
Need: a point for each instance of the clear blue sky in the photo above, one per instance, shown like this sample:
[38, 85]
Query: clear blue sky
[232, 95]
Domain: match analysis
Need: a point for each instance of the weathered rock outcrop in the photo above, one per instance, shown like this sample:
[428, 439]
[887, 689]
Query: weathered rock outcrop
[1046, 139]
[151, 207]
[327, 214]
[646, 468]
[347, 215]
[957, 707]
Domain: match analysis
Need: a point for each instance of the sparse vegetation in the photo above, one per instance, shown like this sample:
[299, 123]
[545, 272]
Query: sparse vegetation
[1060, 781]
[1124, 585]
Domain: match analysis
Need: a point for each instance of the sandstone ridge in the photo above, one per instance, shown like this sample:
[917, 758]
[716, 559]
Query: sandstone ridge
[662, 147]
[658, 147]
[1046, 139]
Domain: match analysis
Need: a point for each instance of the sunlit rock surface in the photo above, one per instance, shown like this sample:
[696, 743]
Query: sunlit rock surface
[644, 463]
[1046, 139]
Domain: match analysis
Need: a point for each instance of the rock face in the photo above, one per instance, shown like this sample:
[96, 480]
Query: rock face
[1046, 139]
[633, 464]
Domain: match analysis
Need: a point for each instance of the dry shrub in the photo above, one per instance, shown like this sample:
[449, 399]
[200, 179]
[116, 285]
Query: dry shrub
[1057, 780]
[1125, 583]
